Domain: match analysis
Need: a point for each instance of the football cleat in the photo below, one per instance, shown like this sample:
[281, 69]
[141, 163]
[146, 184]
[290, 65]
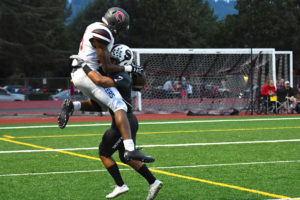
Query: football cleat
[154, 189]
[117, 191]
[67, 109]
[137, 155]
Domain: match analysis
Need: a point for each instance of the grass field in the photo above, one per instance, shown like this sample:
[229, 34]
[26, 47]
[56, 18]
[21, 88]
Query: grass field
[230, 158]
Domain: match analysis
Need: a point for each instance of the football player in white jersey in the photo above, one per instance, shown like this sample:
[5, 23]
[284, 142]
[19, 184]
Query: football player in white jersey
[94, 53]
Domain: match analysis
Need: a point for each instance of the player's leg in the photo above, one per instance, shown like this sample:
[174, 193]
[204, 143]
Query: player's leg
[110, 140]
[135, 154]
[113, 169]
[114, 100]
[154, 184]
[68, 107]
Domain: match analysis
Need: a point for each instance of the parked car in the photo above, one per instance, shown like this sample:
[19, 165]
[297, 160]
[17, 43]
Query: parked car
[7, 96]
[19, 89]
[66, 94]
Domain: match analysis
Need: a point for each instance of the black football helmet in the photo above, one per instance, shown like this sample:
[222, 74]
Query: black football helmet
[117, 19]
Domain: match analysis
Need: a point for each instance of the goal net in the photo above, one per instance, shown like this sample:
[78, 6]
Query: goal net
[284, 66]
[203, 79]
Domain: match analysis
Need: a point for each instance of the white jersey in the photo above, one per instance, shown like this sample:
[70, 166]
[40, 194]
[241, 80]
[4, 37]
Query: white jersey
[87, 52]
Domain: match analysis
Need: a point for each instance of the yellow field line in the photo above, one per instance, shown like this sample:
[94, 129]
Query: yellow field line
[160, 132]
[46, 148]
[158, 171]
[8, 136]
[221, 184]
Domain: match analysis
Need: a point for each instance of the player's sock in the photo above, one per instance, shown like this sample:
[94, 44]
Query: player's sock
[128, 144]
[77, 105]
[115, 173]
[144, 171]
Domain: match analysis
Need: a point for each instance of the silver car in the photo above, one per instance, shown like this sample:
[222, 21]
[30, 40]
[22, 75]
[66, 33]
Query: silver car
[7, 96]
[66, 95]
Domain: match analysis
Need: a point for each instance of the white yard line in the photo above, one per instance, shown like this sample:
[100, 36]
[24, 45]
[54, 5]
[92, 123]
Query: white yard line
[167, 167]
[157, 145]
[152, 123]
[49, 173]
[220, 143]
[229, 164]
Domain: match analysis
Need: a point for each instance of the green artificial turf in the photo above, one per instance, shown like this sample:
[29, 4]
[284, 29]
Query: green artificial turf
[213, 170]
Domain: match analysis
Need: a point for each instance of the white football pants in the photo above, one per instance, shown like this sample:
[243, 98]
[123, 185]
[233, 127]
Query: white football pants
[109, 97]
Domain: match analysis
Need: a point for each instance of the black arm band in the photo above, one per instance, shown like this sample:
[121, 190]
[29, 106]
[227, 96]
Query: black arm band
[86, 69]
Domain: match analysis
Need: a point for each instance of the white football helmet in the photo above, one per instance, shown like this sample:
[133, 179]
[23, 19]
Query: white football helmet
[122, 54]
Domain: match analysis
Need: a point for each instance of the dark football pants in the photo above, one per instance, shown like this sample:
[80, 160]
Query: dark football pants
[112, 139]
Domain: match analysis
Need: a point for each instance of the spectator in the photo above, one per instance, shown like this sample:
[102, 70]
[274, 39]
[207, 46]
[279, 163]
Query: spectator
[280, 83]
[168, 88]
[183, 87]
[177, 84]
[189, 90]
[268, 90]
[289, 94]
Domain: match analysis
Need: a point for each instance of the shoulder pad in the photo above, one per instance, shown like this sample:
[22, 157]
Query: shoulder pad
[101, 35]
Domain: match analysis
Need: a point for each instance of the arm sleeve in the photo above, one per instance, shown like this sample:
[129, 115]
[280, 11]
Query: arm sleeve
[101, 35]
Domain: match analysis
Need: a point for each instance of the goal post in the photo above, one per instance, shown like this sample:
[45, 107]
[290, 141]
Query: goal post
[203, 79]
[284, 66]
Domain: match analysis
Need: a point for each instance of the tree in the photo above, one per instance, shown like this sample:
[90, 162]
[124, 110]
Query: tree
[173, 24]
[32, 38]
[263, 24]
[159, 24]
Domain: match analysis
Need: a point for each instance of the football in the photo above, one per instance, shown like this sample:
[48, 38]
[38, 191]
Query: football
[138, 81]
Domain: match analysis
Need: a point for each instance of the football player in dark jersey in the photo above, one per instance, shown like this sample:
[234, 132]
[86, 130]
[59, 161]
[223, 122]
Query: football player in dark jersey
[112, 139]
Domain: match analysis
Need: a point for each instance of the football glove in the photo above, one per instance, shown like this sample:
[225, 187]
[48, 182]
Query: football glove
[133, 68]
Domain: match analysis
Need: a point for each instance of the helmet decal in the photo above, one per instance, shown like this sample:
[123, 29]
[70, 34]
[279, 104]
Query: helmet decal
[128, 54]
[118, 14]
[117, 20]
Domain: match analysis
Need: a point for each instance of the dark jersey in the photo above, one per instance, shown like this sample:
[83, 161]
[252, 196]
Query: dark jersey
[123, 82]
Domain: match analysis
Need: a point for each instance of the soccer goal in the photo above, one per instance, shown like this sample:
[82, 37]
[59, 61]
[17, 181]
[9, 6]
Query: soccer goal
[203, 79]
